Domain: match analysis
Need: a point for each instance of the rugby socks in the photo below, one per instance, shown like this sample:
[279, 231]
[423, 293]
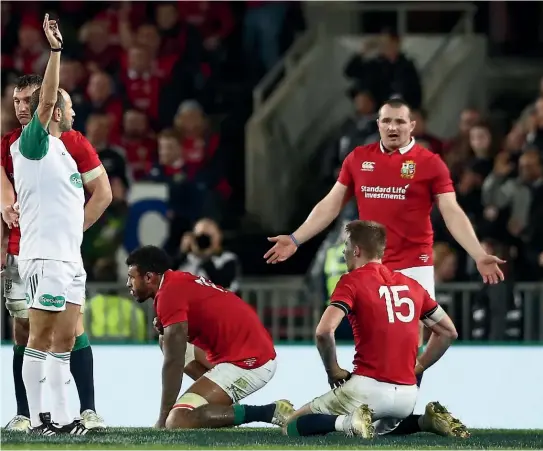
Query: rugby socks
[247, 414]
[409, 425]
[82, 368]
[20, 391]
[60, 380]
[34, 371]
[315, 424]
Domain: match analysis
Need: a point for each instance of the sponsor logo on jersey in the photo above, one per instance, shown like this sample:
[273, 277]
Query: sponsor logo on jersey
[424, 258]
[75, 180]
[385, 192]
[368, 166]
[48, 300]
[408, 169]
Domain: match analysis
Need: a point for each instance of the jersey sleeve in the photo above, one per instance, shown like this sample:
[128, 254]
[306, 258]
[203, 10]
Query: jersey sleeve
[5, 150]
[431, 312]
[171, 306]
[85, 156]
[343, 295]
[346, 175]
[441, 181]
[34, 142]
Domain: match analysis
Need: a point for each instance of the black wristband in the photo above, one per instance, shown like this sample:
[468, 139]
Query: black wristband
[56, 50]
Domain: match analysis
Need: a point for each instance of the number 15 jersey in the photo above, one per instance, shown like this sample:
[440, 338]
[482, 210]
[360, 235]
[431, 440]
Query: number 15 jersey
[219, 322]
[384, 309]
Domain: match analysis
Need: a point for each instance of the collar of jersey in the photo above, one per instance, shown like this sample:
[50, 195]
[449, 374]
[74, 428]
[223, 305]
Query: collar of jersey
[162, 279]
[402, 150]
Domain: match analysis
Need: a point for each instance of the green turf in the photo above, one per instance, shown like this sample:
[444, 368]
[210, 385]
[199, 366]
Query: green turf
[268, 438]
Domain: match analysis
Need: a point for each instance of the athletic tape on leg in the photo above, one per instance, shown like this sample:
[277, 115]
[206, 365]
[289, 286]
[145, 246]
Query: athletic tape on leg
[190, 401]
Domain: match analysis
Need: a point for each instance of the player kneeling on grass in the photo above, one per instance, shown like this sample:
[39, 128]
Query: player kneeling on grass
[384, 309]
[192, 309]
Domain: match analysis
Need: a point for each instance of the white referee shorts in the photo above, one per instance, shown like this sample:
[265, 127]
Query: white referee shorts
[385, 400]
[238, 382]
[14, 289]
[49, 284]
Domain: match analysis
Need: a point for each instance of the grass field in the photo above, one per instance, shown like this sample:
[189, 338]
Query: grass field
[268, 438]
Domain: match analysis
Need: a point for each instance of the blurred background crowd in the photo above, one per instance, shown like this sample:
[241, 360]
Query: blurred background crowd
[163, 91]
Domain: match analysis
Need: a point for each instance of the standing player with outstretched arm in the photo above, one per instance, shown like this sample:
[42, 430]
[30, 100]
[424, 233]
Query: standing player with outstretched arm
[396, 183]
[191, 309]
[52, 219]
[384, 308]
[97, 185]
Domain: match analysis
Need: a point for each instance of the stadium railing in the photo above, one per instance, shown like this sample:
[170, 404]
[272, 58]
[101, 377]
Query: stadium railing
[291, 311]
[302, 99]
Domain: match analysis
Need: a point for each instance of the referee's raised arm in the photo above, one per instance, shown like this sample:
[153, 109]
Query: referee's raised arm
[34, 142]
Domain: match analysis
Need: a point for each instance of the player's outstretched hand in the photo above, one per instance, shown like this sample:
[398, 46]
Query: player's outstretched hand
[283, 249]
[52, 33]
[10, 215]
[488, 267]
[338, 378]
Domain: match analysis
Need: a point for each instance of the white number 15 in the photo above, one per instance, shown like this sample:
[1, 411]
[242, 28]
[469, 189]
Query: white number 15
[393, 300]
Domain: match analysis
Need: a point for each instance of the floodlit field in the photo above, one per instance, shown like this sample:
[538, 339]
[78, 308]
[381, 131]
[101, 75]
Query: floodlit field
[267, 438]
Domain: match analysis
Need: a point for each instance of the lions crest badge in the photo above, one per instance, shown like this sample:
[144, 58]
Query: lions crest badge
[408, 169]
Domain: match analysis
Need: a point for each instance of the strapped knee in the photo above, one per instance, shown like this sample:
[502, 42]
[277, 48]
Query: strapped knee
[190, 401]
[17, 308]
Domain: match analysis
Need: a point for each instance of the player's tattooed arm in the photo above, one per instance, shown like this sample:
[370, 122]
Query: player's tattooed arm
[173, 347]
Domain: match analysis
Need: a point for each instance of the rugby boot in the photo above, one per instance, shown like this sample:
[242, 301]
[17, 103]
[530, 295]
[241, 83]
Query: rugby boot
[360, 423]
[438, 420]
[18, 423]
[283, 411]
[91, 420]
[45, 428]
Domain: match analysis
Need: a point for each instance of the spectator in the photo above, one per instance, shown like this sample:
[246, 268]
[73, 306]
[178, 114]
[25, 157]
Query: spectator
[484, 146]
[99, 53]
[112, 157]
[445, 268]
[188, 197]
[213, 20]
[388, 75]
[103, 240]
[359, 129]
[31, 54]
[421, 134]
[535, 135]
[139, 144]
[198, 142]
[531, 172]
[72, 80]
[262, 26]
[507, 201]
[141, 83]
[456, 151]
[202, 253]
[102, 100]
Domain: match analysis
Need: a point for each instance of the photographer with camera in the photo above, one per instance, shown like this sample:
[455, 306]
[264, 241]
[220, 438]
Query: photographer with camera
[202, 254]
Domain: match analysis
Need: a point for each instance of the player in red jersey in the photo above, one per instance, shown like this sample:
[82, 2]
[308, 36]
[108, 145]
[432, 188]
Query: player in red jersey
[396, 183]
[191, 309]
[384, 308]
[97, 185]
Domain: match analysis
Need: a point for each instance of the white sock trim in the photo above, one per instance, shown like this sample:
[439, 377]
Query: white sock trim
[340, 423]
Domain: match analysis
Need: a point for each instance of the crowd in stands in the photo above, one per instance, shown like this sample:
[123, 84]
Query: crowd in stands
[161, 90]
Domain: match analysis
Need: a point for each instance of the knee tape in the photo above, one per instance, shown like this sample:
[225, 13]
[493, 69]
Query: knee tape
[190, 401]
[189, 354]
[17, 308]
